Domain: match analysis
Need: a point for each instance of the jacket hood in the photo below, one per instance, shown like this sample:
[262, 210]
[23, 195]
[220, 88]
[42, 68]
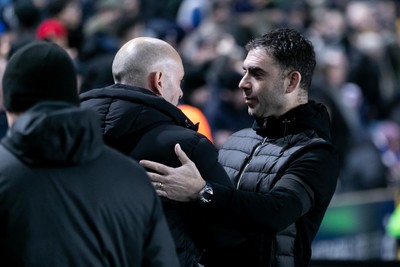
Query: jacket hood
[127, 111]
[54, 134]
[312, 116]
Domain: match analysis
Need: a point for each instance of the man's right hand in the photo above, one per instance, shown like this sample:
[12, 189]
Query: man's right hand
[181, 184]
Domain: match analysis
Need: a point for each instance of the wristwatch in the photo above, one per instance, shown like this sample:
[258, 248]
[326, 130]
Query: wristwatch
[206, 193]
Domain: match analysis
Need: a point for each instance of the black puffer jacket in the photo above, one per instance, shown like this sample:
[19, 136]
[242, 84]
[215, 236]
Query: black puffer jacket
[286, 171]
[145, 126]
[66, 199]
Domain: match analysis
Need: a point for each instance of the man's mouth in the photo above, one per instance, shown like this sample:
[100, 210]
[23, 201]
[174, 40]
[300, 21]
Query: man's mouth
[249, 101]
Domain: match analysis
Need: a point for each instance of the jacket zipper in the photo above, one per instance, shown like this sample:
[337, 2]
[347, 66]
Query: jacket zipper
[249, 158]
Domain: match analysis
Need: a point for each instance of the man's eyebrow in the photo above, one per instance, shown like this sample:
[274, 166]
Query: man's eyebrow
[256, 70]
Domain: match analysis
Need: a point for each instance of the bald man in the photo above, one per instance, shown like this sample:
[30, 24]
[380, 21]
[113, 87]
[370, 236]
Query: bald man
[139, 117]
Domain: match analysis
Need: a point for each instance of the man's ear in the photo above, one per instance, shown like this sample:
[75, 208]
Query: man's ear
[156, 82]
[292, 81]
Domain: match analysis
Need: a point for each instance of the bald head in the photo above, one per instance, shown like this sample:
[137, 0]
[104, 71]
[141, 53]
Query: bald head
[152, 64]
[141, 56]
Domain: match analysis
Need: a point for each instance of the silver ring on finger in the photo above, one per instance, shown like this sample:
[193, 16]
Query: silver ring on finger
[160, 186]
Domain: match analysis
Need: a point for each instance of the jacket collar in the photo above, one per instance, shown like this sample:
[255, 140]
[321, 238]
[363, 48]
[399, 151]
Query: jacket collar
[141, 96]
[310, 116]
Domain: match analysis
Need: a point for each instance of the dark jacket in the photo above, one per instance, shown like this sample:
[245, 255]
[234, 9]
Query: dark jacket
[286, 171]
[66, 199]
[146, 126]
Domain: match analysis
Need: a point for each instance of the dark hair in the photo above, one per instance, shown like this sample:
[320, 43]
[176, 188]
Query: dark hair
[54, 7]
[290, 50]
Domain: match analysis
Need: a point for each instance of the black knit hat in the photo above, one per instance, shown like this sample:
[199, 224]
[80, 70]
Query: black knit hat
[37, 72]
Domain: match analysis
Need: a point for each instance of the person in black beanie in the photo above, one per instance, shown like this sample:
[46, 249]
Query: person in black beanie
[40, 73]
[67, 199]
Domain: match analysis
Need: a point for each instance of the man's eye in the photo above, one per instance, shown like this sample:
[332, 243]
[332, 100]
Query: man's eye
[257, 74]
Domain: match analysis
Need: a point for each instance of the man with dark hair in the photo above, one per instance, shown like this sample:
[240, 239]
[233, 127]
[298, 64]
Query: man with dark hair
[66, 199]
[285, 168]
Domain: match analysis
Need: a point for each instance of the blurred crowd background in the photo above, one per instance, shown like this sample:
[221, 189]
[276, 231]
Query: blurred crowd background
[357, 45]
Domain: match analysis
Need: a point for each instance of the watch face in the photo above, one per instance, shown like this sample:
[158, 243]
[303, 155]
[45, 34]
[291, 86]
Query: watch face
[206, 193]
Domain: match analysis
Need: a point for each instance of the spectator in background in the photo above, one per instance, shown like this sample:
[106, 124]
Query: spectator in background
[69, 13]
[62, 24]
[66, 199]
[343, 101]
[201, 45]
[386, 137]
[103, 42]
[195, 99]
[140, 118]
[27, 17]
[231, 112]
[371, 71]
[52, 30]
[97, 72]
[99, 32]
